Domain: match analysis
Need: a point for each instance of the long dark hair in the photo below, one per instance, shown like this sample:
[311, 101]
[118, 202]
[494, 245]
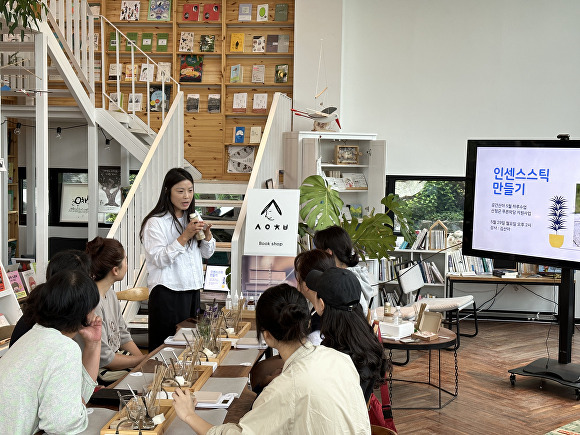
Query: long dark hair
[283, 312]
[105, 255]
[349, 333]
[164, 203]
[310, 260]
[338, 241]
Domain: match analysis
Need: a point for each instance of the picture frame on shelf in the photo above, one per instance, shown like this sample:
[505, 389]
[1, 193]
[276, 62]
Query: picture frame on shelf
[346, 154]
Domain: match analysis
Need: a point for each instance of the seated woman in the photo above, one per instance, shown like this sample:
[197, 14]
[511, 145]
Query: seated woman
[70, 259]
[336, 241]
[109, 265]
[42, 375]
[316, 259]
[317, 392]
[344, 326]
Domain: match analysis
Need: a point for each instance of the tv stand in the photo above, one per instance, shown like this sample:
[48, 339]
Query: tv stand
[561, 371]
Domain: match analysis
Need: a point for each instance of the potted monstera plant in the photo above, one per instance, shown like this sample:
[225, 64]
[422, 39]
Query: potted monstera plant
[372, 236]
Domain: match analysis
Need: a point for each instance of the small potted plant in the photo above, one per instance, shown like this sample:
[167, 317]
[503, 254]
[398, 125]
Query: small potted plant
[557, 217]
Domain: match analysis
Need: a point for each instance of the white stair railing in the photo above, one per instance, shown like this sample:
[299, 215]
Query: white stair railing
[269, 160]
[165, 153]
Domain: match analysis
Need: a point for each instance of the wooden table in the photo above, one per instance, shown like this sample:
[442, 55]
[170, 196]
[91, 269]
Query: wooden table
[239, 407]
[447, 339]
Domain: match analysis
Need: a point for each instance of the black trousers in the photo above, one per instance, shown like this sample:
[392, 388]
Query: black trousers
[166, 309]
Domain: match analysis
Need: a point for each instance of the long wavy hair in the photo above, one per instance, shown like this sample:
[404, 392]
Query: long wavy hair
[164, 204]
[350, 333]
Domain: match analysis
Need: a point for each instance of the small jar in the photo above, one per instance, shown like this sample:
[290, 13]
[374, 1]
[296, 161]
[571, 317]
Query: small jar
[251, 303]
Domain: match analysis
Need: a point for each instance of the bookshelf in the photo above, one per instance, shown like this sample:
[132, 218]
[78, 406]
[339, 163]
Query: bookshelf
[208, 136]
[303, 149]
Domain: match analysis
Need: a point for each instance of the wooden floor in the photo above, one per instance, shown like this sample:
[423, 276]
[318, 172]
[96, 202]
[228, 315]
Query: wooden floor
[487, 403]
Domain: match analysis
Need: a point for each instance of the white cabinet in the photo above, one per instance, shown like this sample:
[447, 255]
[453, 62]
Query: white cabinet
[302, 149]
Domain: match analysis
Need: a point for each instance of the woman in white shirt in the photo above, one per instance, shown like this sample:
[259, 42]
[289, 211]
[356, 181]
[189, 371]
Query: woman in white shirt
[317, 392]
[174, 256]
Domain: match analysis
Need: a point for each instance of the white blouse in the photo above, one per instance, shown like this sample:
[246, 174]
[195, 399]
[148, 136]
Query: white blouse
[169, 263]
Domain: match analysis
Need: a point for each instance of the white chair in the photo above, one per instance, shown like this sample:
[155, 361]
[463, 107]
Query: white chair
[411, 280]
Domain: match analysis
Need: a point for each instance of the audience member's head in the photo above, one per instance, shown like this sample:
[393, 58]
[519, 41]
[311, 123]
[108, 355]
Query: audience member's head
[336, 241]
[316, 259]
[65, 301]
[283, 312]
[106, 254]
[71, 259]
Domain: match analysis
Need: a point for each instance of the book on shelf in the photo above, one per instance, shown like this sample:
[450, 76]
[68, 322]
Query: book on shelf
[214, 102]
[191, 68]
[116, 101]
[272, 44]
[239, 133]
[147, 42]
[258, 73]
[147, 72]
[281, 73]
[98, 69]
[336, 183]
[131, 72]
[281, 12]
[207, 43]
[191, 12]
[162, 42]
[240, 102]
[283, 43]
[186, 42]
[115, 71]
[355, 180]
[240, 159]
[29, 280]
[436, 273]
[356, 211]
[16, 284]
[132, 37]
[130, 10]
[159, 10]
[421, 240]
[262, 12]
[237, 42]
[260, 103]
[245, 12]
[112, 41]
[211, 12]
[258, 44]
[163, 71]
[236, 74]
[135, 102]
[192, 103]
[96, 41]
[255, 134]
[157, 98]
[346, 212]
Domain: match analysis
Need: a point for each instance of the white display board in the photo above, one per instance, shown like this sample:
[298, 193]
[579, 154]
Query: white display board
[74, 206]
[272, 222]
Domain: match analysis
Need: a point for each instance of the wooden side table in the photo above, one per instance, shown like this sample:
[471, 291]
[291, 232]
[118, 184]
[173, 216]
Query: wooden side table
[447, 339]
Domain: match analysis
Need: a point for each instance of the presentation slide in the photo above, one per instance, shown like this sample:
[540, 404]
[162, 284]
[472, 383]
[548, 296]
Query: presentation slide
[526, 201]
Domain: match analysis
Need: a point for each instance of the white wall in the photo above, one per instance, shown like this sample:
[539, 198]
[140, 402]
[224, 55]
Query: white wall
[426, 75]
[316, 20]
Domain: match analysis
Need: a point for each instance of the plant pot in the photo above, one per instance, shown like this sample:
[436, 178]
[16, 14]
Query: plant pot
[556, 240]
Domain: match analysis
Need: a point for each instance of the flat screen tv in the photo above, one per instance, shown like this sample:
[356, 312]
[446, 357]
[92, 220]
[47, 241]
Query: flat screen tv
[522, 201]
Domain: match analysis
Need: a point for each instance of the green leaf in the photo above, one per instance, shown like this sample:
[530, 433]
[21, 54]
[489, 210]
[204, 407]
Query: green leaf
[320, 204]
[372, 237]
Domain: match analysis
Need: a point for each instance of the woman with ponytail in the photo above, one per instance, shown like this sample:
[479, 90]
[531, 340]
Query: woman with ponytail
[317, 392]
[109, 265]
[336, 241]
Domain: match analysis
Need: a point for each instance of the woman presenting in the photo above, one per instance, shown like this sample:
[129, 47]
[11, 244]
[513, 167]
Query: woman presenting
[174, 256]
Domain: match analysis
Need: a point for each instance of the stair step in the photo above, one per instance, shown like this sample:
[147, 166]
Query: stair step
[221, 186]
[218, 202]
[16, 46]
[222, 225]
[223, 246]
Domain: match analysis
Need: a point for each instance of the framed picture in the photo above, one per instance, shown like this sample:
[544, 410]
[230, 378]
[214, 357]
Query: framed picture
[346, 155]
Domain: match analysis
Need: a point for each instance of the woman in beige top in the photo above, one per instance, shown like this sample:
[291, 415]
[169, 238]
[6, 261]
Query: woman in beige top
[317, 392]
